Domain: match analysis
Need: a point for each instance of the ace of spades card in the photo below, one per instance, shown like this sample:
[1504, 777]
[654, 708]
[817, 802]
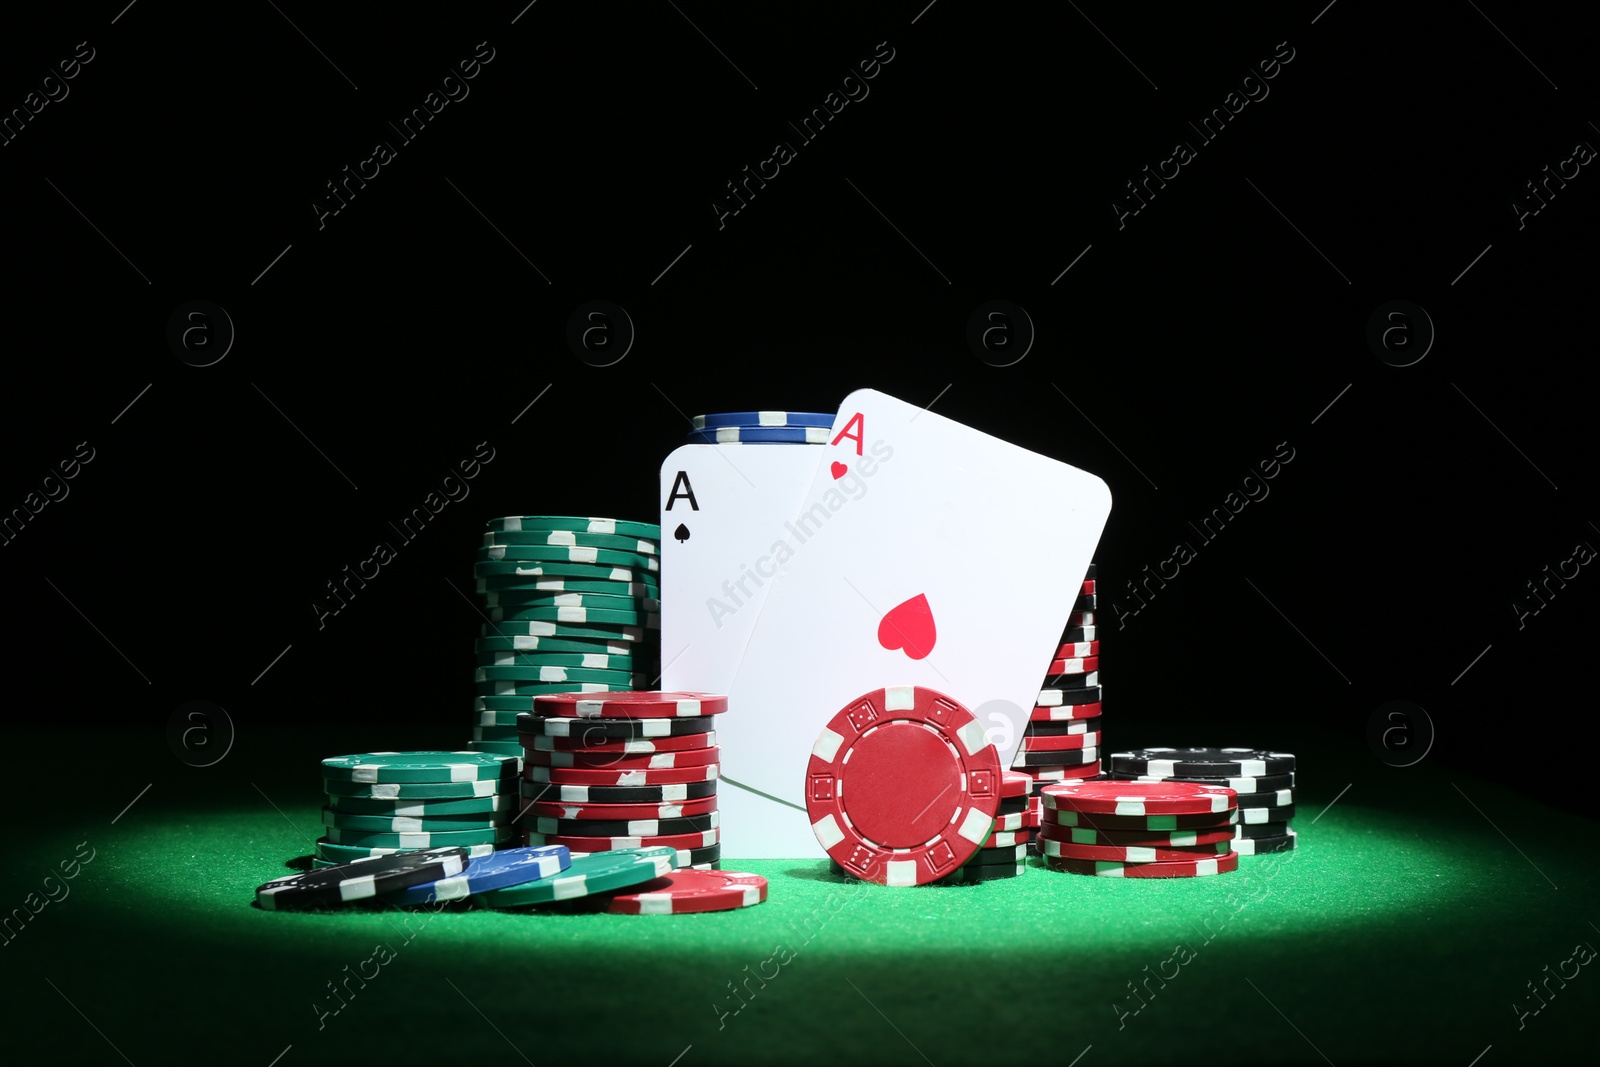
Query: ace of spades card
[925, 552]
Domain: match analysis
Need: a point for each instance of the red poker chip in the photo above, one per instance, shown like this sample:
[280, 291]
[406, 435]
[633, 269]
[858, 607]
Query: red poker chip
[1012, 821]
[1068, 775]
[704, 839]
[1061, 712]
[1049, 846]
[1080, 618]
[606, 761]
[1141, 798]
[1195, 868]
[1076, 665]
[642, 704]
[1061, 742]
[1007, 838]
[902, 786]
[1072, 649]
[1088, 587]
[582, 776]
[683, 892]
[672, 809]
[1085, 835]
[1014, 783]
[546, 743]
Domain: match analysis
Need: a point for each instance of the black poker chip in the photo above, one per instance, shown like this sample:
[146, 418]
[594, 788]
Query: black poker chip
[1089, 577]
[615, 794]
[1086, 602]
[1007, 854]
[1073, 695]
[605, 731]
[1073, 634]
[1274, 798]
[1065, 757]
[363, 879]
[1072, 681]
[985, 873]
[622, 828]
[1205, 762]
[1265, 784]
[1261, 846]
[1062, 727]
[1276, 828]
[1013, 805]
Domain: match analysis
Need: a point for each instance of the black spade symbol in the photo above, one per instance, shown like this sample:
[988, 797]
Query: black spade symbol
[681, 533]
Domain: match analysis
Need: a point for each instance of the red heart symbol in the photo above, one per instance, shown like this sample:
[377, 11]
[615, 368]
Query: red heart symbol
[909, 626]
[838, 470]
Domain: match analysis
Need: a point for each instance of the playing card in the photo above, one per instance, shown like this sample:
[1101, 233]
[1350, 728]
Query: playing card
[723, 539]
[927, 553]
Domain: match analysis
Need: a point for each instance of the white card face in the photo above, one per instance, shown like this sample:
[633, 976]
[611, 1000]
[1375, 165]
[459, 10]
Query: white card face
[925, 553]
[723, 509]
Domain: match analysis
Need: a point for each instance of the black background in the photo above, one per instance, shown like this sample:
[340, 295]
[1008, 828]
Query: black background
[425, 317]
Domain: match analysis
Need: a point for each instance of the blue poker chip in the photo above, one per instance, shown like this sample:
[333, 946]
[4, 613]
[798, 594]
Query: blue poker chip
[761, 435]
[498, 870]
[763, 418]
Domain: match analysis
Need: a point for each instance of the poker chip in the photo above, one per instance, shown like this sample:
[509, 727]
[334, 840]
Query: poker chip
[761, 435]
[985, 873]
[1064, 742]
[330, 852]
[398, 767]
[534, 809]
[540, 585]
[1087, 587]
[589, 731]
[360, 879]
[1057, 759]
[1078, 649]
[418, 790]
[498, 748]
[1267, 784]
[645, 602]
[763, 418]
[530, 569]
[698, 858]
[579, 776]
[603, 745]
[617, 761]
[1012, 784]
[541, 660]
[539, 554]
[1060, 727]
[902, 786]
[1195, 868]
[1062, 775]
[1139, 798]
[1265, 816]
[1008, 822]
[688, 824]
[644, 546]
[1054, 696]
[1169, 839]
[550, 646]
[601, 873]
[1060, 712]
[1162, 823]
[405, 823]
[501, 870]
[1261, 846]
[1073, 681]
[493, 835]
[1075, 634]
[1004, 849]
[1076, 665]
[1049, 847]
[546, 628]
[401, 808]
[577, 524]
[1203, 762]
[642, 705]
[551, 674]
[685, 892]
[595, 843]
[600, 794]
[518, 696]
[577, 616]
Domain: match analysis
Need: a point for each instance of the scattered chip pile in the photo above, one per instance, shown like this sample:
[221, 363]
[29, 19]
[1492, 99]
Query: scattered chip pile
[608, 771]
[762, 428]
[572, 605]
[1264, 782]
[1118, 829]
[383, 803]
[1062, 741]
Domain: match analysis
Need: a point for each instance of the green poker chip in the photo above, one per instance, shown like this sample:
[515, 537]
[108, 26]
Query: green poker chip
[522, 699]
[500, 720]
[400, 808]
[331, 852]
[542, 586]
[493, 835]
[502, 748]
[576, 524]
[598, 872]
[643, 546]
[526, 569]
[598, 661]
[550, 674]
[545, 628]
[536, 554]
[394, 824]
[485, 787]
[396, 767]
[494, 733]
[529, 645]
[542, 689]
[573, 600]
[577, 616]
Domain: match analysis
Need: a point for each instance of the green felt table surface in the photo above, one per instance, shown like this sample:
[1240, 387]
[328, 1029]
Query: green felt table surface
[1406, 928]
